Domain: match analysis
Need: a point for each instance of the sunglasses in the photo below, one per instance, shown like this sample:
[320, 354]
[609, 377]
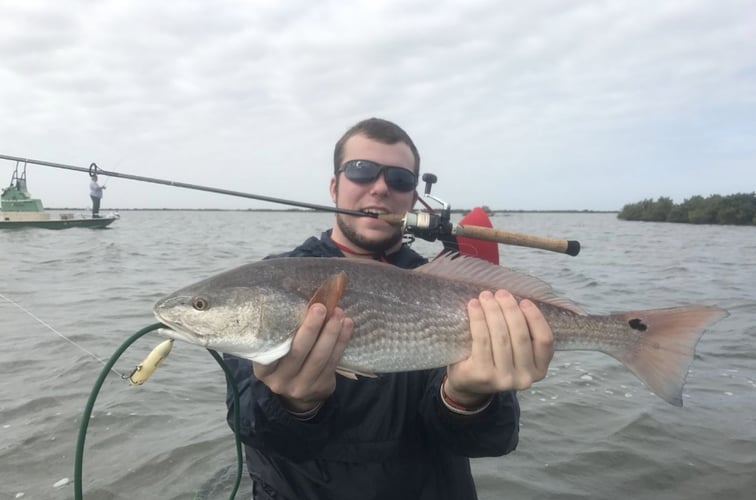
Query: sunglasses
[366, 171]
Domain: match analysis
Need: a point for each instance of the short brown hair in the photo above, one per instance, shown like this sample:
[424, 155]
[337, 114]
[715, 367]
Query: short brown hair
[377, 129]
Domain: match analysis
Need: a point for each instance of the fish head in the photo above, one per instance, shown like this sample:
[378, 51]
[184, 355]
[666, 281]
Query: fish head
[245, 321]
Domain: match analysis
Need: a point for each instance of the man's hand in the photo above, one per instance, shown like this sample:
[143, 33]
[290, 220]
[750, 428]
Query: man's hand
[511, 349]
[307, 374]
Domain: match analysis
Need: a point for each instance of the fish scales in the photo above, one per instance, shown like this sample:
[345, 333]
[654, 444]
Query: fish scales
[403, 320]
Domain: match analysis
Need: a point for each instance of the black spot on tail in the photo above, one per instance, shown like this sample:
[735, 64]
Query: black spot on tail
[637, 324]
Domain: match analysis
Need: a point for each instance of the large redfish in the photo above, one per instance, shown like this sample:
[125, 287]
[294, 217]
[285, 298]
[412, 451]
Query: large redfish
[415, 319]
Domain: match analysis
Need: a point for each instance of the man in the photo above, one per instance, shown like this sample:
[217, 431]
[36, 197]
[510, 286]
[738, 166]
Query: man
[95, 193]
[313, 434]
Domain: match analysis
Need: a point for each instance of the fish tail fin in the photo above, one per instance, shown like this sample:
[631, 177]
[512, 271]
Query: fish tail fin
[665, 346]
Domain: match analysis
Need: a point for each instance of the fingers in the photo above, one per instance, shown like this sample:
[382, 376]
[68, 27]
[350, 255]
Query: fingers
[307, 373]
[542, 337]
[512, 345]
[512, 342]
[326, 352]
[497, 309]
[344, 335]
[481, 339]
[304, 339]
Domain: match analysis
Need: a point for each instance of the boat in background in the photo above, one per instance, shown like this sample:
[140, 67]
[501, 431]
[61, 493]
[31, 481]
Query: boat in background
[18, 210]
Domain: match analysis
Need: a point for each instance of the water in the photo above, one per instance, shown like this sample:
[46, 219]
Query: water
[589, 430]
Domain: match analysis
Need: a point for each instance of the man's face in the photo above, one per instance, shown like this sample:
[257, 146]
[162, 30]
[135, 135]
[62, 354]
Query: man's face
[366, 233]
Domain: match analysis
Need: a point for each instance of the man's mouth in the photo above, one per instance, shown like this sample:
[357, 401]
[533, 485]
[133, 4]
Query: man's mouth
[376, 211]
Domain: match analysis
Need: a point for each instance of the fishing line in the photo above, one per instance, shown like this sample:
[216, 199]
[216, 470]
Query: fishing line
[86, 417]
[47, 325]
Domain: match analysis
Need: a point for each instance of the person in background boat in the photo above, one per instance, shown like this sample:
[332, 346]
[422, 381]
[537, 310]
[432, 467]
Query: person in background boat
[95, 192]
[311, 434]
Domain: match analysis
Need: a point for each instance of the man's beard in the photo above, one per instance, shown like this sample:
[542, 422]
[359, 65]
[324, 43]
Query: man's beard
[372, 246]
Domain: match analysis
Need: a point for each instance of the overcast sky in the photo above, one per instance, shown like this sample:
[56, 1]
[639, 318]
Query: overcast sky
[515, 105]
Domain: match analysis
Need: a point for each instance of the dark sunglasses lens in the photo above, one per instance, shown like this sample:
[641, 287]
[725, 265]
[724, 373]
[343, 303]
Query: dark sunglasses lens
[362, 171]
[400, 179]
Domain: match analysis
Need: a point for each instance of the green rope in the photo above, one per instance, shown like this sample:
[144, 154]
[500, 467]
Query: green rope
[78, 495]
[237, 420]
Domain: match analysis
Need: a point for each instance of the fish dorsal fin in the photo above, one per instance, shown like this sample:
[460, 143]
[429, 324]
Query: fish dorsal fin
[329, 293]
[486, 275]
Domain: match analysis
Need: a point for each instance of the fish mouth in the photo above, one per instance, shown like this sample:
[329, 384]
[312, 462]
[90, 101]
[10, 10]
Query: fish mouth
[174, 331]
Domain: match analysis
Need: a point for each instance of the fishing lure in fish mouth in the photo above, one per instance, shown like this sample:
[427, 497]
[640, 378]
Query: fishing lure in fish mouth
[146, 368]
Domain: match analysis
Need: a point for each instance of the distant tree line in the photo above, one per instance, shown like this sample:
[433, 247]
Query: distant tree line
[738, 209]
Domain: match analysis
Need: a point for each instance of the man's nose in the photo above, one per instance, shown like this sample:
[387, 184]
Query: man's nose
[379, 184]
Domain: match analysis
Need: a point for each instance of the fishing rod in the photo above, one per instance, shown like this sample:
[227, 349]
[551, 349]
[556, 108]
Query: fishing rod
[95, 170]
[429, 226]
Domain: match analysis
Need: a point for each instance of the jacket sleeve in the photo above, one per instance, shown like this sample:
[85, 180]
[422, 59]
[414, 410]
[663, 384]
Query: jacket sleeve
[264, 422]
[492, 432]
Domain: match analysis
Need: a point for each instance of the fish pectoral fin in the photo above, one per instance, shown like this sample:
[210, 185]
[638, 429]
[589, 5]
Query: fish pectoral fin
[330, 292]
[352, 374]
[271, 355]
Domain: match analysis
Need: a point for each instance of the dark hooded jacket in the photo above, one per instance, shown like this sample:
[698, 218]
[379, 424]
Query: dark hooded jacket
[389, 437]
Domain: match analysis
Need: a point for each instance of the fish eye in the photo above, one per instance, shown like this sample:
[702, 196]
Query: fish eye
[200, 303]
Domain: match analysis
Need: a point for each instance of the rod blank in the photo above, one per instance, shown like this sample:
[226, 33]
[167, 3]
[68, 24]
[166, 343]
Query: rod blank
[569, 247]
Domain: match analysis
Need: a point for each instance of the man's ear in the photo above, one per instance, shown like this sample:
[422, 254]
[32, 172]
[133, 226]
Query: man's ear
[334, 190]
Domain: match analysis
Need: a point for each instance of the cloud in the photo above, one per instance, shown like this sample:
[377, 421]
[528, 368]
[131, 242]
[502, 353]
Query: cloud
[537, 105]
